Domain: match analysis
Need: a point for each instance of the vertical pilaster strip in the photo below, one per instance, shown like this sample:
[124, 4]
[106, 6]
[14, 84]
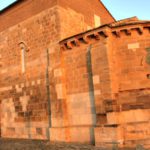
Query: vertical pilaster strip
[48, 93]
[91, 90]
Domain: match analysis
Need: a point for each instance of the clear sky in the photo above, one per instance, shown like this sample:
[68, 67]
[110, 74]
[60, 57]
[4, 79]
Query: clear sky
[121, 9]
[5, 3]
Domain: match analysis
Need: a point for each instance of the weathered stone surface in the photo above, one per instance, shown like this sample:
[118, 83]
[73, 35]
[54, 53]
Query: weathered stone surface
[93, 87]
[42, 145]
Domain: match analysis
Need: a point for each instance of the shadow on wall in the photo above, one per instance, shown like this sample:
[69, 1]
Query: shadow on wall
[100, 67]
[105, 83]
[91, 90]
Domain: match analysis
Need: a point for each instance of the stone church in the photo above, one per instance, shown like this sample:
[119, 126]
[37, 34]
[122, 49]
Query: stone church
[69, 72]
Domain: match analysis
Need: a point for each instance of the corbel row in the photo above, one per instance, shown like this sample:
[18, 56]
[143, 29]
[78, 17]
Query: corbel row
[100, 33]
[128, 31]
[84, 38]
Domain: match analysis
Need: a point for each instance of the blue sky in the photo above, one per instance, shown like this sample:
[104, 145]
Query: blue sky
[5, 3]
[121, 9]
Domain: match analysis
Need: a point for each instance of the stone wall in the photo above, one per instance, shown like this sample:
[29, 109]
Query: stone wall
[34, 92]
[23, 89]
[91, 87]
[131, 91]
[82, 15]
[128, 109]
[119, 81]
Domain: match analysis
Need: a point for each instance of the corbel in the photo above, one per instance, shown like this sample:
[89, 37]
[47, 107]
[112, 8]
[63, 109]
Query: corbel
[117, 33]
[63, 47]
[140, 30]
[128, 31]
[69, 45]
[77, 42]
[97, 36]
[86, 39]
[106, 32]
[148, 27]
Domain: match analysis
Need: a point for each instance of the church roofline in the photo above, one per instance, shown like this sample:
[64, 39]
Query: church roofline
[104, 31]
[19, 1]
[107, 9]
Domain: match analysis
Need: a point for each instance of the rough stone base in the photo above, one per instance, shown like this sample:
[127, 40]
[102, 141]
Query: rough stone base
[25, 133]
[127, 135]
[108, 136]
[72, 134]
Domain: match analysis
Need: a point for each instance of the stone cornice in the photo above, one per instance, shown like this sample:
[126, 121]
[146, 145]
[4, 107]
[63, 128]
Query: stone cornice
[104, 32]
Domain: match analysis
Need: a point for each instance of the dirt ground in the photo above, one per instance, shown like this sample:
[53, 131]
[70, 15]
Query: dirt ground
[12, 144]
[8, 144]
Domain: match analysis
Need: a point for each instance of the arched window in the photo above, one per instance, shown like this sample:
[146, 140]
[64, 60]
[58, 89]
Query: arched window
[24, 49]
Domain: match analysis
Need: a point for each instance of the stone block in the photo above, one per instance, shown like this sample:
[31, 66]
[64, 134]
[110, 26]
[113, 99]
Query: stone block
[96, 79]
[33, 83]
[97, 20]
[135, 132]
[60, 89]
[108, 136]
[2, 89]
[24, 101]
[18, 89]
[72, 134]
[97, 92]
[56, 122]
[82, 119]
[38, 81]
[133, 46]
[57, 72]
[131, 116]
